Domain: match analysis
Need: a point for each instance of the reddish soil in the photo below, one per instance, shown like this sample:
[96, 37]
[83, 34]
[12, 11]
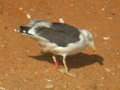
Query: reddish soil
[23, 67]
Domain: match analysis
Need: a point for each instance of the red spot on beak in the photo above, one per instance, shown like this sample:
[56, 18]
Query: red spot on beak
[94, 51]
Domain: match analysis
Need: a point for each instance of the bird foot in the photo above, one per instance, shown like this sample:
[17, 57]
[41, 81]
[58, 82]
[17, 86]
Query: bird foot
[67, 73]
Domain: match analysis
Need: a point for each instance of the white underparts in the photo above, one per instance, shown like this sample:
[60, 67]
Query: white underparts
[70, 49]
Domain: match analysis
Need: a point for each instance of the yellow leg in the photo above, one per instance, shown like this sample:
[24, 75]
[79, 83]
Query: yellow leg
[64, 62]
[54, 58]
[66, 68]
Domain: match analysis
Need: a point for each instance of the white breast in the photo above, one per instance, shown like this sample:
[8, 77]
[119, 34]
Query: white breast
[72, 48]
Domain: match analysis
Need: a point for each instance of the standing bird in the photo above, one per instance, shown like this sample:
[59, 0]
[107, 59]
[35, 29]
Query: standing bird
[59, 39]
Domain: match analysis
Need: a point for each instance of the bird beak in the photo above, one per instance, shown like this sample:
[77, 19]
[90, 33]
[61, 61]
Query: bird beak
[94, 49]
[92, 46]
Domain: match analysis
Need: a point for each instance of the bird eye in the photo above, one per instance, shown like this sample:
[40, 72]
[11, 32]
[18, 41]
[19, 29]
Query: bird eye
[24, 31]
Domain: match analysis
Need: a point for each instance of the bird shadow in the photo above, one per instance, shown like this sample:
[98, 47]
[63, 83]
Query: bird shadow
[75, 61]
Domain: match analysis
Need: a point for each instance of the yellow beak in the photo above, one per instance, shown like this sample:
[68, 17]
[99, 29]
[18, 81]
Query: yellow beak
[94, 49]
[92, 45]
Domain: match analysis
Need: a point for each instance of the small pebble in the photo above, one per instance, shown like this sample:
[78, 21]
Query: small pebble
[49, 80]
[61, 20]
[107, 69]
[103, 9]
[110, 15]
[15, 30]
[102, 78]
[2, 88]
[110, 18]
[28, 16]
[49, 86]
[21, 8]
[106, 38]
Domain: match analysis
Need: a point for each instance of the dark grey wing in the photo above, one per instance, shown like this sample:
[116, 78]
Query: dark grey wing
[67, 29]
[61, 34]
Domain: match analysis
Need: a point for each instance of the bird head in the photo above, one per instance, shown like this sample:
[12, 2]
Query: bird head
[24, 30]
[89, 38]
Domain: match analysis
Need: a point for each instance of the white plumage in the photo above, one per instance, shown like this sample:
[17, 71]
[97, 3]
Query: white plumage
[58, 38]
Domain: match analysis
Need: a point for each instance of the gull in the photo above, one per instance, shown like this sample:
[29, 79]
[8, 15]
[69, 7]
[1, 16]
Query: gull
[59, 39]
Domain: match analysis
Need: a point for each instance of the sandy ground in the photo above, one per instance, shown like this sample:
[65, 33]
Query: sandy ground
[23, 67]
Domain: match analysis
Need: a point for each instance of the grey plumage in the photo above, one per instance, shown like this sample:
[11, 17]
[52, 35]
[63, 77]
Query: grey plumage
[61, 34]
[58, 33]
[59, 39]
